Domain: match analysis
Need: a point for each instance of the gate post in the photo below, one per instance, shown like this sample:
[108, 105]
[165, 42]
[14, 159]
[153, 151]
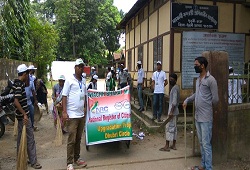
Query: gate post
[218, 67]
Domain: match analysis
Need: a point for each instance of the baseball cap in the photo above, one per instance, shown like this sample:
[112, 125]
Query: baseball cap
[61, 77]
[22, 68]
[79, 61]
[230, 67]
[95, 77]
[92, 67]
[158, 62]
[112, 68]
[125, 69]
[139, 62]
[122, 65]
[32, 67]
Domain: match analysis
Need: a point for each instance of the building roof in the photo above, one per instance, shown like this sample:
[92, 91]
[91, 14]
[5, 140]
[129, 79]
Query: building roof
[137, 6]
[140, 3]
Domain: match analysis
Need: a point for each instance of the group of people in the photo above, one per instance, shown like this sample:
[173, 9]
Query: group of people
[73, 92]
[205, 97]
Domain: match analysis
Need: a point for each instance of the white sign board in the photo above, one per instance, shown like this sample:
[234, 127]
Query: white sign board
[65, 68]
[194, 43]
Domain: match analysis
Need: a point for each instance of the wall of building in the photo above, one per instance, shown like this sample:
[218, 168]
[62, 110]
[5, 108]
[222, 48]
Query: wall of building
[239, 131]
[233, 18]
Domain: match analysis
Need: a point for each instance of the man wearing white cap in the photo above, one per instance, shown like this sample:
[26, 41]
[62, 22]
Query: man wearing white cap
[57, 98]
[122, 77]
[74, 104]
[22, 114]
[93, 83]
[158, 84]
[32, 70]
[140, 84]
[93, 72]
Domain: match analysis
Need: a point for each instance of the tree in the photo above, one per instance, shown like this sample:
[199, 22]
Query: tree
[43, 44]
[109, 18]
[14, 29]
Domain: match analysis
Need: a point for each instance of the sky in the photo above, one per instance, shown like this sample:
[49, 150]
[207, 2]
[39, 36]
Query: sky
[125, 5]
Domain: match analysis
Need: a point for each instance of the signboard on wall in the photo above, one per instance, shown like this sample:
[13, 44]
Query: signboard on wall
[194, 43]
[194, 16]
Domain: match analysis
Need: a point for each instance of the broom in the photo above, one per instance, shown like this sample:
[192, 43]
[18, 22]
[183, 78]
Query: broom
[22, 152]
[15, 128]
[58, 139]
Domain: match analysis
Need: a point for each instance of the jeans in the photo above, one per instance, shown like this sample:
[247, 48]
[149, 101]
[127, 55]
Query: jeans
[75, 129]
[31, 144]
[32, 112]
[139, 89]
[157, 104]
[204, 132]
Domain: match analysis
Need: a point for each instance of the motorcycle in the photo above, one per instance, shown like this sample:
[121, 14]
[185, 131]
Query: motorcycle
[7, 108]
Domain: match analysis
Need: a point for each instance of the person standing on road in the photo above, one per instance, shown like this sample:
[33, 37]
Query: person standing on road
[205, 97]
[31, 94]
[159, 81]
[41, 92]
[22, 114]
[122, 77]
[140, 85]
[173, 112]
[57, 104]
[32, 78]
[74, 103]
[93, 83]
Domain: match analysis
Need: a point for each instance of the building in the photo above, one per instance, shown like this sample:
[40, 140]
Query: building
[167, 30]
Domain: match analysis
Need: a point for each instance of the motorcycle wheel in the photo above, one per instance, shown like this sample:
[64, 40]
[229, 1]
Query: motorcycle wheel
[2, 128]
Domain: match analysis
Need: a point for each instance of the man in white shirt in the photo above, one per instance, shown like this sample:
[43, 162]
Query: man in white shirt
[74, 104]
[158, 84]
[140, 84]
[234, 87]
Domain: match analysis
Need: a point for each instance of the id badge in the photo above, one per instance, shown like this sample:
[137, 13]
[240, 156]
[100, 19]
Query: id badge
[81, 96]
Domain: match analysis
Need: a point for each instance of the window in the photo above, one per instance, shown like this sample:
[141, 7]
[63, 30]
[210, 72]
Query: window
[140, 53]
[158, 3]
[157, 53]
[130, 26]
[141, 16]
[130, 60]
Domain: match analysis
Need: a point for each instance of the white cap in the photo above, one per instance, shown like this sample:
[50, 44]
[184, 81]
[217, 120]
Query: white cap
[61, 77]
[84, 75]
[79, 61]
[32, 67]
[92, 67]
[95, 77]
[139, 62]
[122, 65]
[112, 68]
[158, 62]
[230, 67]
[125, 69]
[22, 68]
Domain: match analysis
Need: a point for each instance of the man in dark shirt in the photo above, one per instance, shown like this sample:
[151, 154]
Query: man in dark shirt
[22, 114]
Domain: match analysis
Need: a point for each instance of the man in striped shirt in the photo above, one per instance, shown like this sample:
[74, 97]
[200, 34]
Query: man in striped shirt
[22, 114]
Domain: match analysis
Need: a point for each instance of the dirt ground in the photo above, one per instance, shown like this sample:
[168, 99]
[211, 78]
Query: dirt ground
[142, 153]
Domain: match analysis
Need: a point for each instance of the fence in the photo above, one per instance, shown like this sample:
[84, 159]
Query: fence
[239, 83]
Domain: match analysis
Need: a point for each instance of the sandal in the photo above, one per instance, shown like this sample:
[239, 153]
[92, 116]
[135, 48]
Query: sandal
[36, 166]
[197, 168]
[164, 149]
[174, 148]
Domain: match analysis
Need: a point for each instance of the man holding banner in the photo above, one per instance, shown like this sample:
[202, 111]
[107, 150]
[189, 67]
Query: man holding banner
[74, 106]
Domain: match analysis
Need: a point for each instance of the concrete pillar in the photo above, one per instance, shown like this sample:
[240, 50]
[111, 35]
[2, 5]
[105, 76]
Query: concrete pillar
[218, 67]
